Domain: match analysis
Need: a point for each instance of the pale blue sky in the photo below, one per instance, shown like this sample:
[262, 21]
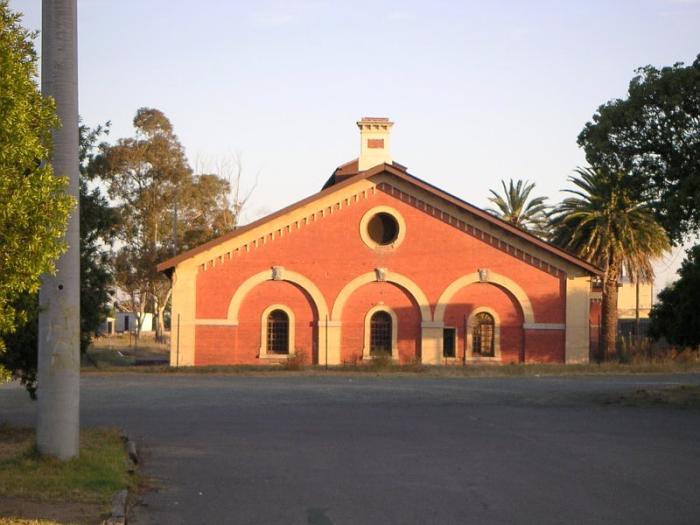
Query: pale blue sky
[479, 91]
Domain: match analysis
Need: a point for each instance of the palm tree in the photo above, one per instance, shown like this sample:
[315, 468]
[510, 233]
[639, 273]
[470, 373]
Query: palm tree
[514, 207]
[609, 226]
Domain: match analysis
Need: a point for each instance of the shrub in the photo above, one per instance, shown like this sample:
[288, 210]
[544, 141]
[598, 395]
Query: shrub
[381, 362]
[296, 361]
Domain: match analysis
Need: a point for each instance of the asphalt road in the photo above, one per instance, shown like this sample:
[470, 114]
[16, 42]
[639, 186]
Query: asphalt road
[398, 450]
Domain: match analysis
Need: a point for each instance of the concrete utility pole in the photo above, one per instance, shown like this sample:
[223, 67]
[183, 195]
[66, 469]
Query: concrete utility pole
[58, 425]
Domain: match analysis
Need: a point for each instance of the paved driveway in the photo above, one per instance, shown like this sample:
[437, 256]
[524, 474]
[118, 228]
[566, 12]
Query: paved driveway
[408, 450]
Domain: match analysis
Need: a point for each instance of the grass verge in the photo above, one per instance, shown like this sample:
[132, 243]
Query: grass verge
[470, 370]
[36, 487]
[684, 396]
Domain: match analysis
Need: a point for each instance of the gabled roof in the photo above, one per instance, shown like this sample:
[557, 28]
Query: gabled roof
[347, 170]
[347, 174]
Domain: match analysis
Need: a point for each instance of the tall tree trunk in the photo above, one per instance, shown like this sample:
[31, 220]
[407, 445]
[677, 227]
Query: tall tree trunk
[58, 422]
[160, 309]
[141, 316]
[159, 324]
[609, 312]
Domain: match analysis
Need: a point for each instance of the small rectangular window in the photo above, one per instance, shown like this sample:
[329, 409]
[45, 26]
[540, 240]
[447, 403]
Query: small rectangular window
[448, 342]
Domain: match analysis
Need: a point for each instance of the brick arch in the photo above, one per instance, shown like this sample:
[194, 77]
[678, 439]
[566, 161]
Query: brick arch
[501, 281]
[295, 278]
[414, 291]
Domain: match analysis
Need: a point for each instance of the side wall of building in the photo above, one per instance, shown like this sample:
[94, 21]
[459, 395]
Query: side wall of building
[442, 270]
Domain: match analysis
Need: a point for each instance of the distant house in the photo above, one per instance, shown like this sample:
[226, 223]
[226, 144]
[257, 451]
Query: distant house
[106, 327]
[128, 322]
[379, 263]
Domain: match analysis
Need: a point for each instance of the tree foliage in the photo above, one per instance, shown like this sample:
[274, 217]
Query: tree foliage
[516, 207]
[19, 359]
[654, 135]
[161, 204]
[33, 205]
[676, 315]
[97, 222]
[205, 212]
[143, 174]
[605, 224]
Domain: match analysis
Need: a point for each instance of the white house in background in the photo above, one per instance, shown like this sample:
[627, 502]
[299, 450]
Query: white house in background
[106, 327]
[128, 322]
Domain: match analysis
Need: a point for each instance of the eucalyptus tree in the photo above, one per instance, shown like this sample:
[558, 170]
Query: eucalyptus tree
[516, 207]
[142, 175]
[161, 203]
[605, 224]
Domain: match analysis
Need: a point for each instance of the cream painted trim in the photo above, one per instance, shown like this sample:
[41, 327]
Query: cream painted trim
[263, 332]
[364, 234]
[544, 326]
[214, 322]
[493, 278]
[182, 340]
[369, 277]
[394, 331]
[577, 335]
[307, 285]
[431, 345]
[496, 335]
[330, 324]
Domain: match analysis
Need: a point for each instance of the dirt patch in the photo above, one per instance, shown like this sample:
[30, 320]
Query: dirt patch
[686, 396]
[14, 441]
[22, 521]
[58, 512]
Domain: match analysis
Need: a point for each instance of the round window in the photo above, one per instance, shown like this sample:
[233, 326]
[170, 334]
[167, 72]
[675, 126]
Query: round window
[383, 229]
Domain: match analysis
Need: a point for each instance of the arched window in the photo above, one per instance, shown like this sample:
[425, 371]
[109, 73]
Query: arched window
[277, 332]
[380, 334]
[483, 335]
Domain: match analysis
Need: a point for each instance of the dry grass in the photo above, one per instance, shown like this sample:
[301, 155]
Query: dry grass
[417, 369]
[145, 344]
[122, 350]
[296, 361]
[646, 351]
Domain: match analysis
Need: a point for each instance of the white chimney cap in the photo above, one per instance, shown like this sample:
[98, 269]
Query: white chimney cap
[374, 142]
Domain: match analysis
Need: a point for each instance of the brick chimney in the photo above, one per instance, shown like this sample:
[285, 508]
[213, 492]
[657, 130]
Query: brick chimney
[374, 142]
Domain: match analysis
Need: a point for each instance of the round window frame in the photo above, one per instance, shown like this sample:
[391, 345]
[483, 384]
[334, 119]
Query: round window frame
[364, 231]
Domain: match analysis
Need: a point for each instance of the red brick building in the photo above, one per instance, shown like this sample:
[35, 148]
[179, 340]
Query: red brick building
[379, 262]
